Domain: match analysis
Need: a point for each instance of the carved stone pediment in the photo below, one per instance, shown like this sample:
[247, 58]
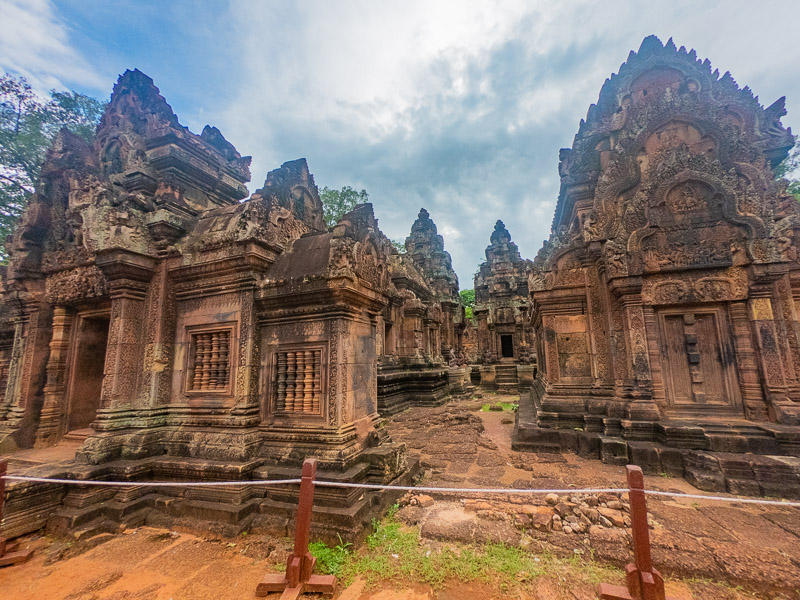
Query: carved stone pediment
[81, 283]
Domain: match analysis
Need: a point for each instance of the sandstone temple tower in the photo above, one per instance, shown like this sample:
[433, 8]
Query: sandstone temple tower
[184, 331]
[421, 327]
[665, 302]
[505, 338]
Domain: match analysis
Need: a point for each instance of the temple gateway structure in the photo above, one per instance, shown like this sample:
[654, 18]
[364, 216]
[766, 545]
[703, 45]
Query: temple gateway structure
[665, 302]
[184, 332]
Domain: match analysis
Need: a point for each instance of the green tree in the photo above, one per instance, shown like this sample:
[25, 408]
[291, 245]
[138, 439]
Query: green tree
[790, 170]
[399, 245]
[337, 203]
[468, 300]
[28, 123]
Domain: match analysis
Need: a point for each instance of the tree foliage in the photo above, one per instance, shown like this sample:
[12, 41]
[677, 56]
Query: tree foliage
[790, 170]
[399, 245]
[468, 300]
[337, 203]
[28, 124]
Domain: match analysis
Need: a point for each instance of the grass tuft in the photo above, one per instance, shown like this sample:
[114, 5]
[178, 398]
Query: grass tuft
[330, 560]
[500, 406]
[393, 552]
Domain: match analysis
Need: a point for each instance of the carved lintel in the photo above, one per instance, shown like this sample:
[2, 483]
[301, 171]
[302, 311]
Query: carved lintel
[626, 289]
[765, 274]
[119, 264]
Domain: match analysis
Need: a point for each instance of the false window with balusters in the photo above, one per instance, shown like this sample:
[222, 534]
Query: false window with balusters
[210, 361]
[297, 381]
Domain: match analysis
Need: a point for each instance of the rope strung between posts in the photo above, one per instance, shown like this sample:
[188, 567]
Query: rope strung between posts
[401, 488]
[723, 498]
[411, 488]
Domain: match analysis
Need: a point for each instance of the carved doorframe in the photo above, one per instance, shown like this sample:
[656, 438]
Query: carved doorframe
[75, 324]
[724, 342]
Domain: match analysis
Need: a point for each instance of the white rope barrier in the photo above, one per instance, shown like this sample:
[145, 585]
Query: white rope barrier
[723, 498]
[402, 488]
[411, 488]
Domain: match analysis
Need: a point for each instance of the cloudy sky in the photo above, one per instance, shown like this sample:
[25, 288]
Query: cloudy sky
[458, 106]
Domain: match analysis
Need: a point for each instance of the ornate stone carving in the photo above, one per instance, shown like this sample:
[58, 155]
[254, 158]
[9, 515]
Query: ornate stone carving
[81, 283]
[669, 221]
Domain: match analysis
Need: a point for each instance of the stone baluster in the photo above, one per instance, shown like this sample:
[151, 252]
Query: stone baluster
[308, 398]
[202, 360]
[317, 381]
[197, 364]
[299, 384]
[291, 374]
[280, 404]
[213, 376]
[224, 354]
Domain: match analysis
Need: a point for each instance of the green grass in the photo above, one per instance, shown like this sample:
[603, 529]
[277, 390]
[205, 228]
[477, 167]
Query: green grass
[330, 560]
[506, 406]
[394, 552]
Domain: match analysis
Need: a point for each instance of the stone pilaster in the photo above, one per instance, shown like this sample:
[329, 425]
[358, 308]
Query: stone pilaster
[26, 376]
[755, 406]
[53, 415]
[129, 277]
[762, 315]
[640, 387]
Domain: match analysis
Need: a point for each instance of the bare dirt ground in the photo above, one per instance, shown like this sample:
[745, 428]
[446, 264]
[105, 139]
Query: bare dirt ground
[154, 564]
[707, 550]
[744, 545]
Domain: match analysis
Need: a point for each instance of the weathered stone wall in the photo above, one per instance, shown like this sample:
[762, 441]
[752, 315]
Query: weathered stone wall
[241, 338]
[663, 301]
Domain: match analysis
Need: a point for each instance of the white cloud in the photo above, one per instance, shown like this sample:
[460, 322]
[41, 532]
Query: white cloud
[35, 44]
[463, 106]
[457, 106]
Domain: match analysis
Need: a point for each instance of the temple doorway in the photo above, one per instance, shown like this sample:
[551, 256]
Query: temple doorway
[507, 346]
[698, 360]
[87, 370]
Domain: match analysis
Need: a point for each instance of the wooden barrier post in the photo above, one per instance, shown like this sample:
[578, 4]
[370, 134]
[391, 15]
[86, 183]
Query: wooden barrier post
[7, 554]
[300, 564]
[644, 581]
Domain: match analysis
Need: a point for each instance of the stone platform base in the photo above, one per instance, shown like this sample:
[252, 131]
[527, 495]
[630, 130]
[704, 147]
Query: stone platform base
[401, 386]
[459, 382]
[505, 378]
[81, 511]
[741, 457]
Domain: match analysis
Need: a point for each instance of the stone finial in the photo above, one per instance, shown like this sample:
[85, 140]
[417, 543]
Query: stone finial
[135, 84]
[500, 233]
[423, 222]
[214, 138]
[292, 186]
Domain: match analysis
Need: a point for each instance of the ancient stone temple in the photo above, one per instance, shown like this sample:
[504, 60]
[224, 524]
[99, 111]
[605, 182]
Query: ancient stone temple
[505, 338]
[186, 333]
[420, 348]
[665, 302]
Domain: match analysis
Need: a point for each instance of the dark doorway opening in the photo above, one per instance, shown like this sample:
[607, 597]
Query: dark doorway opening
[507, 346]
[88, 368]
